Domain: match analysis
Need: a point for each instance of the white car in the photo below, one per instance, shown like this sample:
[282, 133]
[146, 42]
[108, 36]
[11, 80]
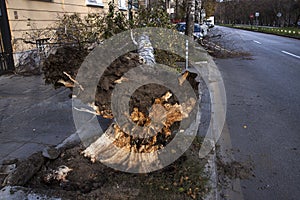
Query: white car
[204, 29]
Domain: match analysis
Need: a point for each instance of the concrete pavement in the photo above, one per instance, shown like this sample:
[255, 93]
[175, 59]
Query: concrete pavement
[33, 116]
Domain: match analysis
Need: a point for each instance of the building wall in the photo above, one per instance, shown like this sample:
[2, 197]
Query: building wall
[28, 16]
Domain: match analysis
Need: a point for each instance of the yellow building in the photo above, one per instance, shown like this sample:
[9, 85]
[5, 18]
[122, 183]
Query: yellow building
[29, 20]
[28, 16]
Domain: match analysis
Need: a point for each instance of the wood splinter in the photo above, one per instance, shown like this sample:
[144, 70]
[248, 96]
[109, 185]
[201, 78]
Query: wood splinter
[182, 78]
[73, 80]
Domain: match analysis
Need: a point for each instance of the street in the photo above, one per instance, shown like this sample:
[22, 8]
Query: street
[263, 112]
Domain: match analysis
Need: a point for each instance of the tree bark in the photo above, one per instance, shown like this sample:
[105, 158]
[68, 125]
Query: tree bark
[190, 15]
[197, 11]
[145, 49]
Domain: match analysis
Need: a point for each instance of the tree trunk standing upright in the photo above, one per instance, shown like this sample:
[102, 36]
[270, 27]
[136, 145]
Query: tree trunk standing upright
[198, 5]
[130, 14]
[190, 14]
[176, 9]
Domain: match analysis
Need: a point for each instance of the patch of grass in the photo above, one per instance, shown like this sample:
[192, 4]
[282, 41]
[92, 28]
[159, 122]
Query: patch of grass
[282, 31]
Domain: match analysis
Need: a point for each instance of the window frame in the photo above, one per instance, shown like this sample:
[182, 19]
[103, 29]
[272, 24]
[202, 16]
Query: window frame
[122, 7]
[99, 3]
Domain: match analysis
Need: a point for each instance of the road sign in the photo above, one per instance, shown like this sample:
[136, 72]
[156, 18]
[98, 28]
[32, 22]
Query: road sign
[257, 14]
[251, 16]
[170, 10]
[279, 14]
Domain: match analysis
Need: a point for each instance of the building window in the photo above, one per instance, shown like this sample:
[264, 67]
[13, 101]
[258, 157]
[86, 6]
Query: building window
[94, 3]
[122, 5]
[16, 15]
[133, 4]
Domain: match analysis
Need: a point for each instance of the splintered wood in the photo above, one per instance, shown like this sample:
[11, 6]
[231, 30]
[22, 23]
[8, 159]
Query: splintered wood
[68, 84]
[156, 126]
[182, 78]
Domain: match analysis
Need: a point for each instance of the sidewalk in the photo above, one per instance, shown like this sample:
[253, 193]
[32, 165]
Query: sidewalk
[33, 116]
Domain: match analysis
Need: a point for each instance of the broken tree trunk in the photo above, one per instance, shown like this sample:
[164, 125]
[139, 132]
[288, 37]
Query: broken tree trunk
[119, 148]
[130, 145]
[145, 50]
[153, 109]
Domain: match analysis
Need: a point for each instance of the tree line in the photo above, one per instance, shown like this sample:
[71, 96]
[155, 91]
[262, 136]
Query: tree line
[260, 12]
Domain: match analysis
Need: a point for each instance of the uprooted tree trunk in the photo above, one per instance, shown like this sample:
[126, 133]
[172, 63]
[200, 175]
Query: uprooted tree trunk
[121, 143]
[152, 107]
[145, 49]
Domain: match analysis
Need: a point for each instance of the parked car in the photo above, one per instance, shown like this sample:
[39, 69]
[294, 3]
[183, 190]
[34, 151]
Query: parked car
[204, 29]
[200, 31]
[209, 23]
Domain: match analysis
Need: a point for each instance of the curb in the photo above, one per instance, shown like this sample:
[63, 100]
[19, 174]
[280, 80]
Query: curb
[211, 170]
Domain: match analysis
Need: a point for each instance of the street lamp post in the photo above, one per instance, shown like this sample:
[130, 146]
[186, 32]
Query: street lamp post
[256, 17]
[203, 15]
[279, 15]
[251, 20]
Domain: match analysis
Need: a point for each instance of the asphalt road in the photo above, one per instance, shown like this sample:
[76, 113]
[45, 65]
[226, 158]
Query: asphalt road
[263, 111]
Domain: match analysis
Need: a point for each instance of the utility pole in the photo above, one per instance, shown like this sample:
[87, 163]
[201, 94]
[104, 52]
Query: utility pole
[203, 15]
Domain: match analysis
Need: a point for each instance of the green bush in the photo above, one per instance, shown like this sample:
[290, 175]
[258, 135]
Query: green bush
[114, 22]
[283, 31]
[74, 29]
[155, 16]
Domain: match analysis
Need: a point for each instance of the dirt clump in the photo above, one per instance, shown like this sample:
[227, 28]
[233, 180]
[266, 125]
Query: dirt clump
[183, 179]
[63, 59]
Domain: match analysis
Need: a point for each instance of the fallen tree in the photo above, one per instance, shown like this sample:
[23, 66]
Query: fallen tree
[152, 106]
[155, 113]
[158, 118]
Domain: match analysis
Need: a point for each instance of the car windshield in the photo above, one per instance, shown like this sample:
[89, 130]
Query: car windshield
[196, 28]
[181, 27]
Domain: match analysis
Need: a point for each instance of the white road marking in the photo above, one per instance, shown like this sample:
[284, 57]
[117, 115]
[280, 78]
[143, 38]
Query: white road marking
[201, 62]
[257, 42]
[288, 53]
